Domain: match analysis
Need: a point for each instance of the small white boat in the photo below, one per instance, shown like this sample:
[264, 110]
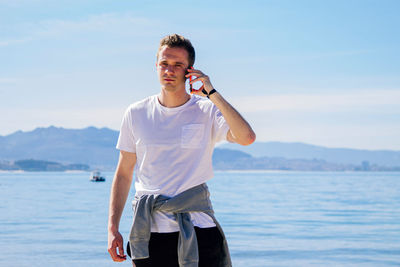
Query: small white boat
[96, 177]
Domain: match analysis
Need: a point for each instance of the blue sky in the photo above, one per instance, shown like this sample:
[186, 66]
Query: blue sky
[319, 72]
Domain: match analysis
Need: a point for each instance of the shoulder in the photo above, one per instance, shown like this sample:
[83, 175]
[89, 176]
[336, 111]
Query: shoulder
[206, 106]
[203, 104]
[142, 104]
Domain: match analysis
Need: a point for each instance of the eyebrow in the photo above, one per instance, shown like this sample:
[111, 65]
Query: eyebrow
[176, 63]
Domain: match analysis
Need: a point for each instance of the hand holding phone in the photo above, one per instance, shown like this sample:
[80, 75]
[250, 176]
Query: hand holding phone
[190, 79]
[195, 75]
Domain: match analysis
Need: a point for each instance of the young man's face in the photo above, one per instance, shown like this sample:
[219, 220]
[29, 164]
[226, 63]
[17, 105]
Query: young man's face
[172, 64]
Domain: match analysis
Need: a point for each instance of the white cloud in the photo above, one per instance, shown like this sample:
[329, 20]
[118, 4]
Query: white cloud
[353, 100]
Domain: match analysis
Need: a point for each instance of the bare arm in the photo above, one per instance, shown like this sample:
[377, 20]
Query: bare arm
[240, 130]
[119, 193]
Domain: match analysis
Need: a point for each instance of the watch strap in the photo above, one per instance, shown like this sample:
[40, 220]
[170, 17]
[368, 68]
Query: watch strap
[211, 92]
[208, 93]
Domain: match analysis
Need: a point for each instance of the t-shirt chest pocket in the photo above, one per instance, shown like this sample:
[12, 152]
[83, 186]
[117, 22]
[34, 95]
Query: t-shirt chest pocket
[192, 135]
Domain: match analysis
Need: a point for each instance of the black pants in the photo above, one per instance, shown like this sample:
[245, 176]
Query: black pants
[163, 249]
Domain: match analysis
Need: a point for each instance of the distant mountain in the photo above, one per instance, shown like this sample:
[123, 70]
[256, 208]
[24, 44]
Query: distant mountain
[226, 159]
[96, 147]
[92, 146]
[40, 165]
[310, 152]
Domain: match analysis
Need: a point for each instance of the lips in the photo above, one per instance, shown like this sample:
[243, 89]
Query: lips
[168, 79]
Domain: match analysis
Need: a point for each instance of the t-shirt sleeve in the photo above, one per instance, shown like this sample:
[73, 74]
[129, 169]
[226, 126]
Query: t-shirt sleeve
[126, 139]
[220, 126]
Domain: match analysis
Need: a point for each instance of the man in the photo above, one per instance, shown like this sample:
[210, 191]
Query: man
[169, 139]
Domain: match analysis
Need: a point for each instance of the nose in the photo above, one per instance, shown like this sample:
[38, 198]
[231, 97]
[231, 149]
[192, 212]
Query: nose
[170, 69]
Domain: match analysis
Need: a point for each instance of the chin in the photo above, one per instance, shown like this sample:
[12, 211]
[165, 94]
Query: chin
[169, 88]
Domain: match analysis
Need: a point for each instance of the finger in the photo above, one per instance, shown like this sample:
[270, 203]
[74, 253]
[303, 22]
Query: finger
[199, 91]
[196, 91]
[121, 250]
[114, 255]
[196, 74]
[119, 259]
[194, 70]
[198, 79]
[189, 75]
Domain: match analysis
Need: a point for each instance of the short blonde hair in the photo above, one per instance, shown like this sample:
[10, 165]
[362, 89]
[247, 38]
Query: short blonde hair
[176, 40]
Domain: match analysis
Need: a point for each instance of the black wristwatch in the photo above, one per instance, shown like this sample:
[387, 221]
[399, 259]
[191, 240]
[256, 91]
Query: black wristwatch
[208, 94]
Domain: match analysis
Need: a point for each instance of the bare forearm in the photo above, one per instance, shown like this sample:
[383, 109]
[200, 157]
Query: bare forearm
[240, 130]
[119, 194]
[120, 188]
[239, 127]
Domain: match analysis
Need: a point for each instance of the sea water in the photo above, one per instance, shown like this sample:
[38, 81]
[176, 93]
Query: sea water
[269, 218]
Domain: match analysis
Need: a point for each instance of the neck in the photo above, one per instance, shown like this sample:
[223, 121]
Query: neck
[172, 99]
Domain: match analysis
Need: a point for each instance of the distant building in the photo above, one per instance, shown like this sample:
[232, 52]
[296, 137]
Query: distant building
[365, 165]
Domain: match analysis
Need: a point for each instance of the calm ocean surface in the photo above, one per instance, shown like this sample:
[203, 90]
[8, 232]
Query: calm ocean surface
[270, 218]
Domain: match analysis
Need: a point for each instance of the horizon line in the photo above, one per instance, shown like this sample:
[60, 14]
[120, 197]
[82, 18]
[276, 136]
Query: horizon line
[284, 142]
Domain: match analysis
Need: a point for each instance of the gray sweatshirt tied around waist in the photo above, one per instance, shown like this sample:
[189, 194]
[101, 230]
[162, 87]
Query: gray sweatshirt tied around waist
[196, 199]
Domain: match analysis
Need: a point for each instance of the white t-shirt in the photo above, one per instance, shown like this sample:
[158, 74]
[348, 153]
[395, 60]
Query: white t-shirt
[173, 148]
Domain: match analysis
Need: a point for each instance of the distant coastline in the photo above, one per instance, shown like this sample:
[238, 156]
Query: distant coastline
[91, 148]
[32, 165]
[291, 171]
[241, 164]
